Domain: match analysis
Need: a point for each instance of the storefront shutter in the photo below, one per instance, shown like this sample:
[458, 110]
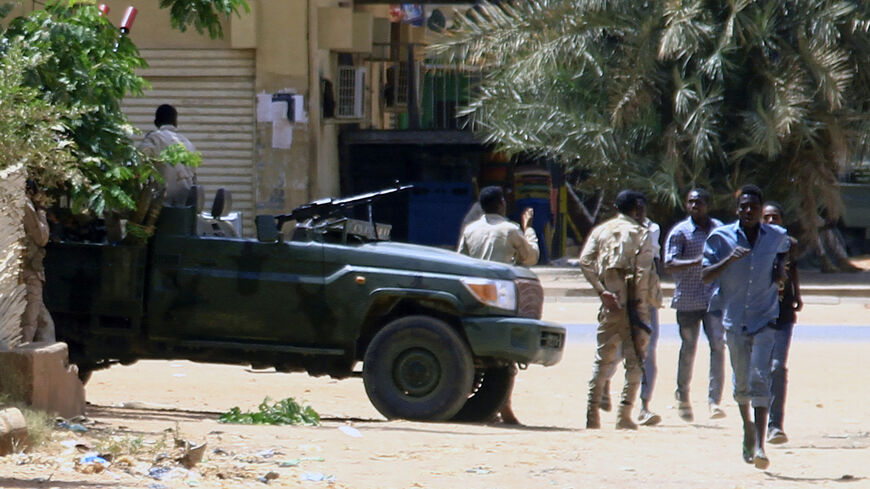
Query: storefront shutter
[213, 91]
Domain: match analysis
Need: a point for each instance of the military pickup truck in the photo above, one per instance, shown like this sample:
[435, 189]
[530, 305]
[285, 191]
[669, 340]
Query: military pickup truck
[439, 334]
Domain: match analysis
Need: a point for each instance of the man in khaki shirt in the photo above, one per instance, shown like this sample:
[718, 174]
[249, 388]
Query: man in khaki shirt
[618, 254]
[493, 237]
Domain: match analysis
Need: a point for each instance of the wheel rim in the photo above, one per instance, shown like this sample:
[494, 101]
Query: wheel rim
[416, 372]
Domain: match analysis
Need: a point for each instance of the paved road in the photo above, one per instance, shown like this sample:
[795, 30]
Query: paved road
[669, 333]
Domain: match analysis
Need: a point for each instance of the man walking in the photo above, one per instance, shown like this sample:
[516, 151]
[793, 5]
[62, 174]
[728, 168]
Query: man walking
[683, 254]
[789, 304]
[747, 258]
[177, 178]
[616, 260]
[647, 417]
[493, 237]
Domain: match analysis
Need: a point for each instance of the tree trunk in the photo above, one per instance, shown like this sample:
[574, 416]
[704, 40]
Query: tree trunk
[581, 218]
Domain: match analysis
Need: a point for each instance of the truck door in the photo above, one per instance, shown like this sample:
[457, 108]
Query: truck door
[238, 290]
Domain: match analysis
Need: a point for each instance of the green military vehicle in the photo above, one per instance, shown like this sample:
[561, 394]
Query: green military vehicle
[438, 333]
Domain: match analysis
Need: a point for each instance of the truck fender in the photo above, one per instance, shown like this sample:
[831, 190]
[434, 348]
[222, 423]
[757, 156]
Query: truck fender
[418, 295]
[386, 300]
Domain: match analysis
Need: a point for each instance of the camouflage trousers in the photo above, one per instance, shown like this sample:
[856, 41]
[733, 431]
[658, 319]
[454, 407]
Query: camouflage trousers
[615, 343]
[36, 322]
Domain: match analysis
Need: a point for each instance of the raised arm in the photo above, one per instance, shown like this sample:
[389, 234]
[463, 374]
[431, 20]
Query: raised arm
[717, 257]
[526, 251]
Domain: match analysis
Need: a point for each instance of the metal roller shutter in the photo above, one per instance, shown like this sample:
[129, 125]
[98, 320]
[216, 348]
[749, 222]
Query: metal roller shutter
[213, 90]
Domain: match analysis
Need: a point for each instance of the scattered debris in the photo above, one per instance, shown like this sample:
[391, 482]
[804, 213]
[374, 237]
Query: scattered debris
[74, 427]
[91, 463]
[316, 477]
[296, 461]
[145, 405]
[269, 453]
[350, 431]
[163, 473]
[192, 454]
[270, 476]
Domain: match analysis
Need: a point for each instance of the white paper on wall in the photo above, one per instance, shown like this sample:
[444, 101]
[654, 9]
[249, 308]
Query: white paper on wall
[282, 131]
[278, 111]
[299, 109]
[264, 107]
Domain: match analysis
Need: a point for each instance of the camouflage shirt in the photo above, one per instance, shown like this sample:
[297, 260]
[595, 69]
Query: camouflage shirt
[621, 248]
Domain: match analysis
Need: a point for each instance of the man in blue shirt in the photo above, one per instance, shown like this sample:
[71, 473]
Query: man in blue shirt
[684, 250]
[746, 257]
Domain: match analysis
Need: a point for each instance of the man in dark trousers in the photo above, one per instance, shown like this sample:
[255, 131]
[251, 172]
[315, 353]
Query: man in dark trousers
[789, 304]
[747, 258]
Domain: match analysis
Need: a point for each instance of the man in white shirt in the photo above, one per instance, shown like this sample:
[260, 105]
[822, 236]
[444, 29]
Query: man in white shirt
[177, 178]
[493, 237]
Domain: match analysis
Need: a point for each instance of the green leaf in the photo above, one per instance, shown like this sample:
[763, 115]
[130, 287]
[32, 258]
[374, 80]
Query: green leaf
[284, 412]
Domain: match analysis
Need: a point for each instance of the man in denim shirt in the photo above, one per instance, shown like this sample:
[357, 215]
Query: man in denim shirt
[683, 253]
[746, 257]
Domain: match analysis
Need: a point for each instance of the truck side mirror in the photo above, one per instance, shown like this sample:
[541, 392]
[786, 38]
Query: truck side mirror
[267, 229]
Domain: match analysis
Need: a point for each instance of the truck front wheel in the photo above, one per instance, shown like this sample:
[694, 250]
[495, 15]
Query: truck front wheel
[418, 368]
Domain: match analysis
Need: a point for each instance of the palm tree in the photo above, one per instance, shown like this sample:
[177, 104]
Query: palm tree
[664, 95]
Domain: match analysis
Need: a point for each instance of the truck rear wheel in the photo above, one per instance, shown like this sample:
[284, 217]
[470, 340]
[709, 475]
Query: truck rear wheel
[418, 368]
[494, 387]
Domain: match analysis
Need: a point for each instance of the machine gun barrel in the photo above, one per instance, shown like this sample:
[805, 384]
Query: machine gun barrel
[328, 207]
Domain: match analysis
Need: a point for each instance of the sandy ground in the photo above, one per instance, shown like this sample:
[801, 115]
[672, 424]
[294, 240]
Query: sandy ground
[827, 422]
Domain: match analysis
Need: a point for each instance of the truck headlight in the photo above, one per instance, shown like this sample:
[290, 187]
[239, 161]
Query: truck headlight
[496, 293]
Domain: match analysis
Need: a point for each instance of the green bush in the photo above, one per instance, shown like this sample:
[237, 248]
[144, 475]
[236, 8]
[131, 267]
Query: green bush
[286, 411]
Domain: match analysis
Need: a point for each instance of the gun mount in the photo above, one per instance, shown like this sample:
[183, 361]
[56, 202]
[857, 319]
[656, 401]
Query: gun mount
[328, 213]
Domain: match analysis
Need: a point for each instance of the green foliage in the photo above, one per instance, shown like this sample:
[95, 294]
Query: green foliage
[33, 130]
[203, 14]
[286, 411]
[664, 95]
[78, 67]
[177, 154]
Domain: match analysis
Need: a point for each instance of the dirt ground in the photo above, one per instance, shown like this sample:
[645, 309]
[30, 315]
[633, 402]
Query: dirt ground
[141, 407]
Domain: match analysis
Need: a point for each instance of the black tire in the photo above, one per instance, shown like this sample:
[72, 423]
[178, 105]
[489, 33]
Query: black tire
[418, 368]
[494, 387]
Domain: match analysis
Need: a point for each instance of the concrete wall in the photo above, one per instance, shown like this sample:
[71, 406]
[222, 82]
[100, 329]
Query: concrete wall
[12, 301]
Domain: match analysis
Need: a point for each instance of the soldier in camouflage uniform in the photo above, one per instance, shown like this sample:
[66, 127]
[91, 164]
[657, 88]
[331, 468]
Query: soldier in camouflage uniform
[36, 322]
[616, 260]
